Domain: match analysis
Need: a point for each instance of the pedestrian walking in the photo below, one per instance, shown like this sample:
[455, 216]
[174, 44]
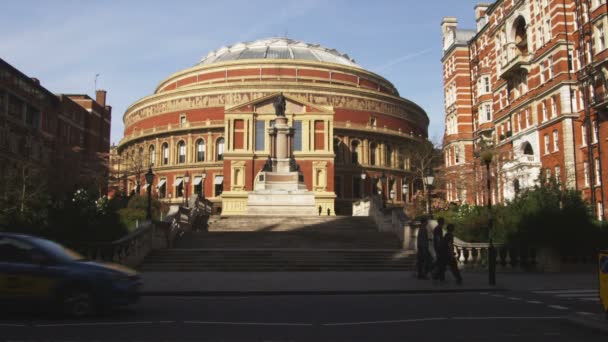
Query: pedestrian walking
[422, 246]
[432, 254]
[447, 259]
[437, 242]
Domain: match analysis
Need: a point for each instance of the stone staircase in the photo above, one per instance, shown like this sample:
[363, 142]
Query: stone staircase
[320, 243]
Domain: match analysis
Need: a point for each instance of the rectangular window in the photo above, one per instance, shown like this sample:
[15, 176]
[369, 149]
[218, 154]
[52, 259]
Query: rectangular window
[32, 118]
[550, 67]
[570, 60]
[544, 110]
[182, 120]
[601, 40]
[547, 143]
[486, 82]
[297, 135]
[583, 135]
[597, 172]
[558, 174]
[593, 132]
[555, 141]
[548, 174]
[573, 101]
[553, 107]
[488, 112]
[586, 172]
[542, 72]
[260, 135]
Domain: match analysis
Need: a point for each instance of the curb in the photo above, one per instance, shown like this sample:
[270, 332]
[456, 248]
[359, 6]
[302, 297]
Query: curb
[301, 293]
[596, 323]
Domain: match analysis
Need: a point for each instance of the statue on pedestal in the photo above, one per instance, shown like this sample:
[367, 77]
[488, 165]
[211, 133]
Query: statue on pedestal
[279, 105]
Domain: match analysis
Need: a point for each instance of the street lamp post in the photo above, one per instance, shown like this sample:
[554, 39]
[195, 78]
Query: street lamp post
[186, 180]
[405, 191]
[149, 180]
[363, 176]
[383, 182]
[487, 159]
[429, 179]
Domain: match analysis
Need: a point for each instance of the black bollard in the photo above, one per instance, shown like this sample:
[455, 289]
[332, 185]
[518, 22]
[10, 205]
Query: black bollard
[320, 210]
[492, 264]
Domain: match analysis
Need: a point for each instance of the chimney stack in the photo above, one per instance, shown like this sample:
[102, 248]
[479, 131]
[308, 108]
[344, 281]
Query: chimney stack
[100, 97]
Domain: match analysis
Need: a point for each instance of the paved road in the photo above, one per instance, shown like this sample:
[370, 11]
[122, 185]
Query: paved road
[496, 316]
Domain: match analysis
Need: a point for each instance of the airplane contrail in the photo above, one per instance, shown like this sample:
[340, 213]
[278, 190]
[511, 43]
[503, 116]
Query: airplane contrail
[401, 59]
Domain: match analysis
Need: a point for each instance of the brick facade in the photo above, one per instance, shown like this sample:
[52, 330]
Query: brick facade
[62, 138]
[529, 85]
[335, 109]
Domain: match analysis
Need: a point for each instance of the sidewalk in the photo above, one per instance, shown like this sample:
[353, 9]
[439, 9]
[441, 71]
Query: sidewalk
[217, 283]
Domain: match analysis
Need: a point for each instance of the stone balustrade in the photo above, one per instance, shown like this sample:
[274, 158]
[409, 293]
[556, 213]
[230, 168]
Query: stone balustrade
[387, 219]
[131, 249]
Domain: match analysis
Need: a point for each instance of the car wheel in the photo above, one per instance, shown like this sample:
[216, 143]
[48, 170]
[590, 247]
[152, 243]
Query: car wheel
[78, 303]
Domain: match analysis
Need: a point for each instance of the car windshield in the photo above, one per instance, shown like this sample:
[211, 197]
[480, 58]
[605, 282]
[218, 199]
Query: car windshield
[59, 251]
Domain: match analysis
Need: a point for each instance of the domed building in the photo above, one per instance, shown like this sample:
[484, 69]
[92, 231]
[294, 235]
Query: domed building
[206, 129]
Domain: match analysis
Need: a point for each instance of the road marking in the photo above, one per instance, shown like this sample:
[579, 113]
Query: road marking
[166, 322]
[249, 323]
[566, 291]
[413, 320]
[514, 298]
[12, 325]
[89, 324]
[483, 293]
[590, 299]
[584, 313]
[558, 307]
[467, 318]
[534, 302]
[576, 295]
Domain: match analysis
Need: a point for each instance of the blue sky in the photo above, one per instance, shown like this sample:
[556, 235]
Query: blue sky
[133, 45]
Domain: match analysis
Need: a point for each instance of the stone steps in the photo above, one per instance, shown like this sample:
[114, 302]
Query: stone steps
[182, 260]
[289, 239]
[274, 223]
[271, 243]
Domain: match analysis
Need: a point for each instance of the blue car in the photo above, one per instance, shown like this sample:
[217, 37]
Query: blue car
[36, 271]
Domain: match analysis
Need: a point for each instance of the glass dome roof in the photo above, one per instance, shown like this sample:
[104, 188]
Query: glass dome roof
[278, 48]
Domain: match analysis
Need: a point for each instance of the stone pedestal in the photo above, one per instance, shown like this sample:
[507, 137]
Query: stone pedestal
[281, 192]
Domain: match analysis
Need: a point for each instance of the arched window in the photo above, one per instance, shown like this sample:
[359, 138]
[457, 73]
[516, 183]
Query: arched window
[152, 155]
[527, 149]
[181, 152]
[220, 149]
[200, 150]
[354, 147]
[521, 36]
[372, 153]
[165, 150]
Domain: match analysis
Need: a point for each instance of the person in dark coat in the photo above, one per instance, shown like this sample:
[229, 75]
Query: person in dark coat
[437, 241]
[422, 244]
[446, 256]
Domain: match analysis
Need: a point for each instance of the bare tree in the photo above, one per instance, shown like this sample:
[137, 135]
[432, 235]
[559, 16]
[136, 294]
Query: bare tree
[425, 157]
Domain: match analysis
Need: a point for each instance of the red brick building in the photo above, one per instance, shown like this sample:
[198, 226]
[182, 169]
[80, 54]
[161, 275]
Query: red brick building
[214, 118]
[529, 85]
[53, 141]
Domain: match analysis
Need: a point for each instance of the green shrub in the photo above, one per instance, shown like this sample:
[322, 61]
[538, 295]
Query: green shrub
[141, 203]
[129, 217]
[541, 217]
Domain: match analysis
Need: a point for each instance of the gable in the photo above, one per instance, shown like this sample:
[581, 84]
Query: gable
[265, 105]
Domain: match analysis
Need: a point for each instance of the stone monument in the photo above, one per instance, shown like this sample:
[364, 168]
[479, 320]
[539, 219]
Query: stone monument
[279, 189]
